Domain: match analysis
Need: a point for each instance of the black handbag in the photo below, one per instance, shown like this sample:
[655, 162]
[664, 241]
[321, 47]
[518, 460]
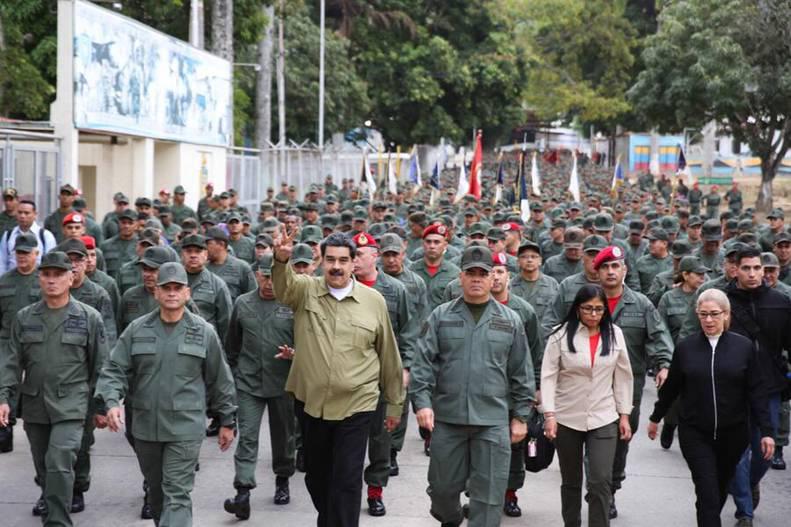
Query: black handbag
[539, 451]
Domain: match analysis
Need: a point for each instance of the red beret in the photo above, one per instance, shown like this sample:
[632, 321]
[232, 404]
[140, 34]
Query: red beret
[363, 239]
[499, 259]
[73, 217]
[436, 228]
[89, 241]
[608, 254]
[512, 226]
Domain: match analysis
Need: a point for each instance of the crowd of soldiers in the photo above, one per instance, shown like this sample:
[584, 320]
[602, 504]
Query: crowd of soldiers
[116, 294]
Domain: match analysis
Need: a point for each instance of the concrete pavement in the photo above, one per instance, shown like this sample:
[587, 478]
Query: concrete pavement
[658, 490]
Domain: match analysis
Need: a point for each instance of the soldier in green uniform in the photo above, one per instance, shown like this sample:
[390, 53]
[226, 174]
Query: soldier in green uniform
[782, 249]
[110, 225]
[694, 232]
[734, 199]
[569, 262]
[472, 337]
[776, 225]
[414, 240]
[496, 239]
[554, 245]
[179, 209]
[172, 362]
[433, 267]
[405, 326]
[121, 248]
[97, 275]
[170, 229]
[129, 274]
[636, 245]
[531, 285]
[695, 197]
[19, 288]
[709, 253]
[236, 273]
[647, 341]
[259, 330]
[712, 202]
[243, 247]
[8, 216]
[204, 204]
[537, 225]
[54, 221]
[656, 261]
[663, 281]
[53, 355]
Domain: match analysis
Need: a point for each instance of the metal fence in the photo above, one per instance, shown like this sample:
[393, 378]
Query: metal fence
[30, 162]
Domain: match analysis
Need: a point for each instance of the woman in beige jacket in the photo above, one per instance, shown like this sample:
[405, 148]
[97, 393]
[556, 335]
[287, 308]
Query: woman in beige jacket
[586, 387]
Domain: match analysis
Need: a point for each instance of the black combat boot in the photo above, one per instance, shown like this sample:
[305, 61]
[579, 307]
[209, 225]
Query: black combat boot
[394, 463]
[145, 512]
[240, 504]
[282, 494]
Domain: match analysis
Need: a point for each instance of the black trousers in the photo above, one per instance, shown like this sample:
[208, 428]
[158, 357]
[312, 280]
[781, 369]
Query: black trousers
[334, 459]
[712, 463]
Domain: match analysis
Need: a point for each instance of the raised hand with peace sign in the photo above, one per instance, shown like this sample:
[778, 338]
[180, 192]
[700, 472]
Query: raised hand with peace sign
[284, 243]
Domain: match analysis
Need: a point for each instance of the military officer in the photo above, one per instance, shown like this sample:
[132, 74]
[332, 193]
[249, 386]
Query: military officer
[54, 221]
[782, 249]
[472, 337]
[496, 239]
[734, 199]
[260, 328]
[55, 350]
[569, 262]
[110, 225]
[8, 216]
[170, 229]
[776, 220]
[121, 248]
[97, 275]
[537, 225]
[647, 341]
[243, 247]
[709, 253]
[129, 274]
[712, 201]
[663, 281]
[554, 244]
[694, 232]
[179, 210]
[657, 260]
[74, 226]
[433, 267]
[418, 221]
[695, 197]
[173, 364]
[19, 288]
[531, 284]
[636, 245]
[236, 273]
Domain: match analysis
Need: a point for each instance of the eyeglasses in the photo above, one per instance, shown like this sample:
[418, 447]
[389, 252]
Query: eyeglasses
[597, 310]
[706, 314]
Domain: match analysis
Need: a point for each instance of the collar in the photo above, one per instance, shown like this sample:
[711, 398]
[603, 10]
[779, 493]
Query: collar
[324, 290]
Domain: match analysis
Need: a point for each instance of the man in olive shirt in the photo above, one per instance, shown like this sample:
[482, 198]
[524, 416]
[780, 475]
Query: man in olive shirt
[54, 354]
[260, 328]
[473, 387]
[121, 248]
[243, 247]
[236, 273]
[18, 289]
[657, 260]
[569, 262]
[531, 284]
[179, 210]
[178, 370]
[8, 216]
[346, 351]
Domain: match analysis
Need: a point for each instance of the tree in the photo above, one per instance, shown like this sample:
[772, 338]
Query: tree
[727, 61]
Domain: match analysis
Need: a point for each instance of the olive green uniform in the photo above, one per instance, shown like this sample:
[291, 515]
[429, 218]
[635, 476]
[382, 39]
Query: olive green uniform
[257, 328]
[213, 299]
[436, 284]
[236, 274]
[712, 200]
[559, 267]
[181, 213]
[93, 229]
[712, 261]
[735, 200]
[648, 266]
[56, 356]
[54, 223]
[129, 275]
[243, 248]
[661, 284]
[7, 222]
[110, 225]
[539, 293]
[171, 371]
[559, 308]
[171, 232]
[117, 252]
[551, 248]
[695, 197]
[475, 376]
[109, 285]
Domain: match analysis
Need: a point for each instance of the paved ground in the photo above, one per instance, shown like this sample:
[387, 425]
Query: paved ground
[657, 492]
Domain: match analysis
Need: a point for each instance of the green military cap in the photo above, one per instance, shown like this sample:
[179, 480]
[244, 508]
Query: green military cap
[681, 248]
[529, 245]
[495, 233]
[311, 234]
[331, 199]
[172, 273]
[364, 202]
[79, 204]
[731, 225]
[470, 211]
[745, 225]
[281, 204]
[558, 223]
[419, 217]
[72, 246]
[602, 222]
[55, 260]
[270, 225]
[694, 221]
[179, 190]
[148, 236]
[292, 188]
[469, 198]
[390, 218]
[377, 230]
[780, 237]
[777, 213]
[208, 220]
[347, 217]
[10, 192]
[594, 242]
[391, 243]
[769, 260]
[301, 253]
[748, 237]
[25, 242]
[164, 210]
[444, 202]
[154, 257]
[224, 195]
[735, 248]
[313, 189]
[397, 230]
[575, 205]
[263, 264]
[233, 216]
[128, 214]
[619, 207]
[670, 224]
[692, 264]
[189, 224]
[556, 212]
[194, 240]
[263, 240]
[379, 205]
[217, 234]
[587, 223]
[476, 257]
[143, 202]
[360, 214]
[479, 227]
[267, 205]
[658, 233]
[726, 215]
[712, 231]
[328, 220]
[232, 192]
[574, 238]
[246, 219]
[536, 205]
[309, 205]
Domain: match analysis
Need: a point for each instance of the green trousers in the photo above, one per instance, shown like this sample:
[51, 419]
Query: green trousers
[474, 458]
[54, 448]
[397, 436]
[82, 468]
[599, 445]
[377, 473]
[281, 436]
[621, 451]
[169, 469]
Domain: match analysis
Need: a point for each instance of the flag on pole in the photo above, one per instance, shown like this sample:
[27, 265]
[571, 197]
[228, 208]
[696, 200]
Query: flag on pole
[367, 176]
[464, 185]
[535, 176]
[522, 195]
[681, 166]
[475, 169]
[617, 178]
[498, 193]
[574, 180]
[398, 163]
[414, 170]
[434, 184]
[392, 177]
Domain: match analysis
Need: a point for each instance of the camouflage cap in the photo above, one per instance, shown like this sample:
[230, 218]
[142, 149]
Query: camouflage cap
[172, 273]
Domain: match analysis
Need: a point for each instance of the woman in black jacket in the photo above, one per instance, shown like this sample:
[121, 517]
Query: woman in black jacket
[715, 373]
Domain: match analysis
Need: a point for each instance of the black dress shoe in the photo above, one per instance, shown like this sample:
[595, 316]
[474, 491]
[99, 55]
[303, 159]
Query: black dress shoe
[393, 463]
[300, 460]
[145, 511]
[511, 508]
[778, 463]
[282, 494]
[77, 502]
[6, 439]
[613, 510]
[40, 508]
[376, 507]
[427, 447]
[239, 505]
[213, 429]
[666, 436]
